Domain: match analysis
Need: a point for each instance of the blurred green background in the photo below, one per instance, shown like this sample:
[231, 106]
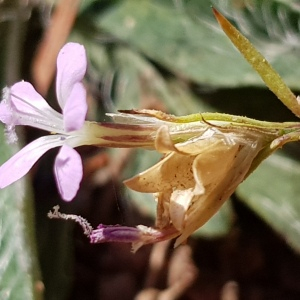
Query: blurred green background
[169, 55]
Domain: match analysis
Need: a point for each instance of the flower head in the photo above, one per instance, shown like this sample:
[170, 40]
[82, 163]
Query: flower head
[196, 176]
[23, 105]
[205, 157]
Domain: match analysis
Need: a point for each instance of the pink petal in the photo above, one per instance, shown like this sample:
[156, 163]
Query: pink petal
[19, 165]
[75, 109]
[71, 67]
[68, 172]
[71, 95]
[25, 100]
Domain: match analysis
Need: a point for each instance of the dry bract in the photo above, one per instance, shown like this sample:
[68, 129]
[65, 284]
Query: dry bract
[195, 177]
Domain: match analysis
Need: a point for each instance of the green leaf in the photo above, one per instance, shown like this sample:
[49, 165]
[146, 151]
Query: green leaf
[19, 273]
[273, 193]
[187, 47]
[186, 39]
[273, 27]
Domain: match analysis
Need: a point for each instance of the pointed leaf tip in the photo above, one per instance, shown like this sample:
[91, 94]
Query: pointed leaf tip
[216, 13]
[271, 78]
[224, 23]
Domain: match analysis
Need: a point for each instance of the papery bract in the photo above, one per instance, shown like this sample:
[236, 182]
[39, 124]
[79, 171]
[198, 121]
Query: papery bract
[194, 179]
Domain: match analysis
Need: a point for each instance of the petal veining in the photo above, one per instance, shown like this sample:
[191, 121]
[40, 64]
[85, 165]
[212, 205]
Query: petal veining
[20, 164]
[68, 172]
[71, 67]
[75, 109]
[23, 105]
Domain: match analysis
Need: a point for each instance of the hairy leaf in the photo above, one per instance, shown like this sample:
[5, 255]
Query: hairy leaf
[273, 193]
[19, 274]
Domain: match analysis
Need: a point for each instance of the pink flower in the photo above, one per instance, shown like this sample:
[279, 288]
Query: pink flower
[138, 236]
[23, 105]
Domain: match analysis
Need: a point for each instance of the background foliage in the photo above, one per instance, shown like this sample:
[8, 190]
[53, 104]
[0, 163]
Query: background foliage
[169, 55]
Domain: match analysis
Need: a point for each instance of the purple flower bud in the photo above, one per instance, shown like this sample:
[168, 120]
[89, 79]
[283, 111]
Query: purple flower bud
[115, 233]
